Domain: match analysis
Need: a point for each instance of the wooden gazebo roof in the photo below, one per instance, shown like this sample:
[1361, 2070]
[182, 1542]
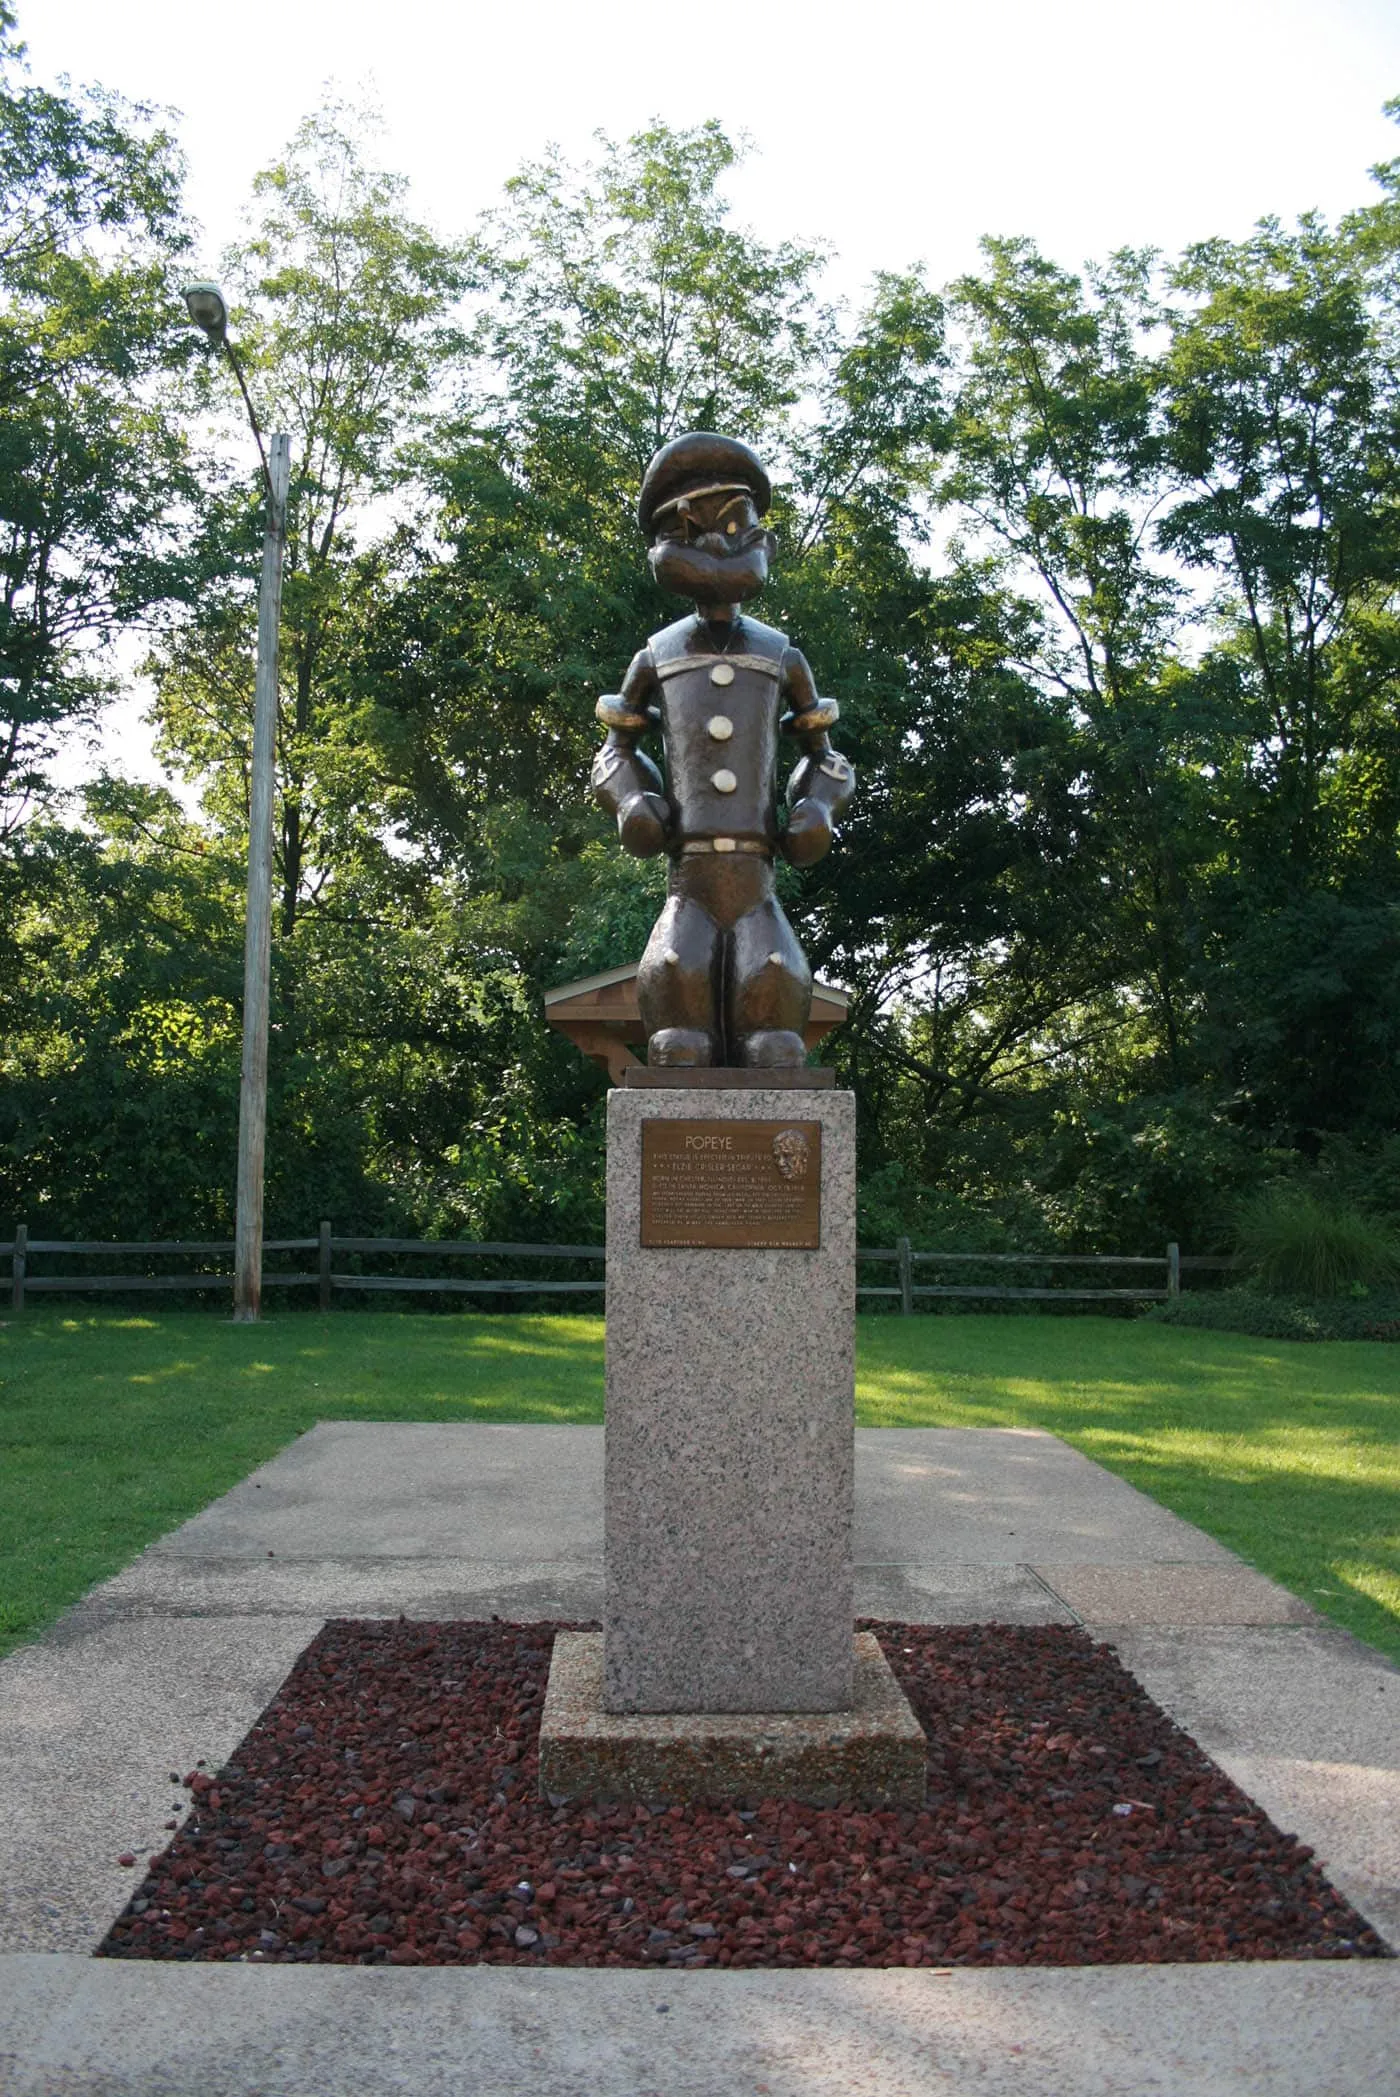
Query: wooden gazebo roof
[600, 1016]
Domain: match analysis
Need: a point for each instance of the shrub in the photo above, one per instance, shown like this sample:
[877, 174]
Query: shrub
[1294, 1244]
[1372, 1317]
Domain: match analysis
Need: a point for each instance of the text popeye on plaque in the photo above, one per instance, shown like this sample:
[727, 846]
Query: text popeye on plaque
[732, 1183]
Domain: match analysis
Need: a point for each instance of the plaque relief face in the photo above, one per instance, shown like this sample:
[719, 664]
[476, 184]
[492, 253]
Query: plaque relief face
[732, 1183]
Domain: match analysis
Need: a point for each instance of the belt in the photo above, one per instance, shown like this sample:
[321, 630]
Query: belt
[727, 844]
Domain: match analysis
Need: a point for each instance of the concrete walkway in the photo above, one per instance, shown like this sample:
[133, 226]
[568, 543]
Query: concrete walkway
[172, 1660]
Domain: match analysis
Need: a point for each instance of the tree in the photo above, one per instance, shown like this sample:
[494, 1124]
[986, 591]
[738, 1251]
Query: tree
[119, 1066]
[619, 307]
[1282, 410]
[95, 480]
[1056, 479]
[606, 292]
[1102, 567]
[403, 1093]
[343, 307]
[1280, 431]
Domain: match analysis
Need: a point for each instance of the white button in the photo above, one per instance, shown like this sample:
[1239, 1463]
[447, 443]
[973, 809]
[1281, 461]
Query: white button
[722, 673]
[720, 727]
[723, 782]
[672, 957]
[775, 960]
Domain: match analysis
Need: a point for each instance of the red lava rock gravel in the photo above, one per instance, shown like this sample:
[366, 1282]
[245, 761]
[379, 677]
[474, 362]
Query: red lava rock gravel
[384, 1808]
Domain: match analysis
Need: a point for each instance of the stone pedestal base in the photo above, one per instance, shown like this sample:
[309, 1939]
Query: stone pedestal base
[729, 1443]
[870, 1755]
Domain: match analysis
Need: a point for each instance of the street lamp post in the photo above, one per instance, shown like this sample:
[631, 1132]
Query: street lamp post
[208, 311]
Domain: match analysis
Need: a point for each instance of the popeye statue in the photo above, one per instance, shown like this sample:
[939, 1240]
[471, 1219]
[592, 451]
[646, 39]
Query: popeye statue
[723, 980]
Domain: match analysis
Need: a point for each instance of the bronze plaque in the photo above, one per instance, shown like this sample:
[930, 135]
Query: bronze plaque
[751, 1183]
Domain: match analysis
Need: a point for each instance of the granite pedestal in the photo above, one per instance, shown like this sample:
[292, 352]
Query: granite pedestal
[872, 1754]
[727, 1665]
[729, 1437]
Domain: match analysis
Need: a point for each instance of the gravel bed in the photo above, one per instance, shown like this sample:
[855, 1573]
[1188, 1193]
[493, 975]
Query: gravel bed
[384, 1808]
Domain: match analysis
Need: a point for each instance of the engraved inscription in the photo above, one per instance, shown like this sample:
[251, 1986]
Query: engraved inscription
[732, 1183]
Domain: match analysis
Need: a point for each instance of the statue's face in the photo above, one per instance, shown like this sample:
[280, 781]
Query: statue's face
[714, 550]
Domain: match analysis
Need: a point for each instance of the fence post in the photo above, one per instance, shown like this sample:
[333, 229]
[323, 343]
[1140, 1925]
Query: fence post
[906, 1276]
[1173, 1270]
[19, 1263]
[324, 1267]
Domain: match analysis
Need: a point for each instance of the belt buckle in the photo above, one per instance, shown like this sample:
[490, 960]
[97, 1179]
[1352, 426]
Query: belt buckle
[724, 844]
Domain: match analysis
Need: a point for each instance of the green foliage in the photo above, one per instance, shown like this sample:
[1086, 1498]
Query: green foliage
[1277, 411]
[94, 466]
[623, 896]
[1102, 566]
[893, 1203]
[1303, 1018]
[1371, 1315]
[72, 166]
[625, 310]
[343, 307]
[1295, 1243]
[119, 1037]
[407, 1076]
[1133, 1174]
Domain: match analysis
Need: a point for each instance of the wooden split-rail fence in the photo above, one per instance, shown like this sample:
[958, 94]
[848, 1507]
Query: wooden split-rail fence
[329, 1274]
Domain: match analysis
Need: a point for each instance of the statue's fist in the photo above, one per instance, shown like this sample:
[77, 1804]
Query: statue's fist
[808, 834]
[642, 822]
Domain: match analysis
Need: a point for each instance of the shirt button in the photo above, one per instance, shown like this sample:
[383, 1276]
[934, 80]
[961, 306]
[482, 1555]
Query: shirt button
[720, 727]
[722, 673]
[723, 782]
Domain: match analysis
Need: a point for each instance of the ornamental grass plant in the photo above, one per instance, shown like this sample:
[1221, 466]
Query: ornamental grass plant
[1294, 1243]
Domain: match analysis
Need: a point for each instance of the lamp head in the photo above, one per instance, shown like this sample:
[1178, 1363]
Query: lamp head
[207, 310]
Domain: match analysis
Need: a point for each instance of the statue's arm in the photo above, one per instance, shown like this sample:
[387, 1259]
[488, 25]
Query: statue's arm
[624, 781]
[823, 781]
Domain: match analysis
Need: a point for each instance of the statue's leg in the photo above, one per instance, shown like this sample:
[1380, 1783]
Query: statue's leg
[769, 990]
[678, 985]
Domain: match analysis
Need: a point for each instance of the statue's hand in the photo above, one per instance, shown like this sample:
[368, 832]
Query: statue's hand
[642, 823]
[807, 837]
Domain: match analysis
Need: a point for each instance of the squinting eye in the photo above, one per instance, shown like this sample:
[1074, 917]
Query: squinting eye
[731, 528]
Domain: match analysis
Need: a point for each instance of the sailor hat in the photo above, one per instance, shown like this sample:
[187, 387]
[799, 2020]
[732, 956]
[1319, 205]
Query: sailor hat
[700, 463]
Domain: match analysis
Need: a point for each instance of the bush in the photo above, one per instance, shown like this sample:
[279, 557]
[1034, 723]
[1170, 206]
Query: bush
[1127, 1176]
[891, 1203]
[1368, 1317]
[1294, 1244]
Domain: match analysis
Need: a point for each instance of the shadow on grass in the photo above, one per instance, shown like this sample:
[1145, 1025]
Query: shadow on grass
[113, 1429]
[1288, 1454]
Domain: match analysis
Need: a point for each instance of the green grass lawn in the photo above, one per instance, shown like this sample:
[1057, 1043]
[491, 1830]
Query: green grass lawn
[113, 1428]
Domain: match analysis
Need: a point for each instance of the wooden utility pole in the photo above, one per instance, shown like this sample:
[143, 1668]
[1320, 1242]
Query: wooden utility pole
[257, 951]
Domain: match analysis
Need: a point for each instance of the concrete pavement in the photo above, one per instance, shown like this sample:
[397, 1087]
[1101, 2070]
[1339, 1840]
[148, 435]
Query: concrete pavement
[172, 1660]
[93, 2028]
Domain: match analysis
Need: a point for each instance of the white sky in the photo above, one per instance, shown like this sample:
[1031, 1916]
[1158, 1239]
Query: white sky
[897, 131]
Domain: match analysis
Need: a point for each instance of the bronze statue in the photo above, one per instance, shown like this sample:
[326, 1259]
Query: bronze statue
[723, 980]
